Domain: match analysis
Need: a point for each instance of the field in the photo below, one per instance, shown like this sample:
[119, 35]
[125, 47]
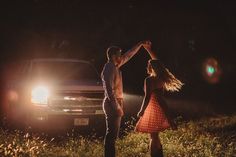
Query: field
[207, 137]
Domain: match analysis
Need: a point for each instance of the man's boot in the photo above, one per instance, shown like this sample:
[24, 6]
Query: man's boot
[160, 152]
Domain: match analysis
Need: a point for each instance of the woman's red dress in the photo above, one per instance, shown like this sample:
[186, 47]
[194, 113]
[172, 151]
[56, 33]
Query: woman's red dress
[154, 118]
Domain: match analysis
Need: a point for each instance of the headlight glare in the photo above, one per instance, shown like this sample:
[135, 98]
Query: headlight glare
[39, 95]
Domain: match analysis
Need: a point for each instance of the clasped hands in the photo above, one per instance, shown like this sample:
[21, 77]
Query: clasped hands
[146, 44]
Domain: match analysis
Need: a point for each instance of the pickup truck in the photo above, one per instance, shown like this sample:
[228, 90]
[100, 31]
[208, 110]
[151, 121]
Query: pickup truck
[53, 94]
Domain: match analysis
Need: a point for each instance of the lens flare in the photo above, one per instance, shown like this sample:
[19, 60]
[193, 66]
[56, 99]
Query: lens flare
[211, 70]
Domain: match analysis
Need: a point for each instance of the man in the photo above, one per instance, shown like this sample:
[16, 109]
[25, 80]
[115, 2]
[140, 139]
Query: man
[113, 101]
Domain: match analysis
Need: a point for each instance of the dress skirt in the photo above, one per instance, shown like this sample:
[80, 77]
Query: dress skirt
[153, 119]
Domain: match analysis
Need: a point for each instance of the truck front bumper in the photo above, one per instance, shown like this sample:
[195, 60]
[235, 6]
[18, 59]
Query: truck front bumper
[50, 119]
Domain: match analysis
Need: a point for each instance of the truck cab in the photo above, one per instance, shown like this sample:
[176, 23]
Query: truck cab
[53, 94]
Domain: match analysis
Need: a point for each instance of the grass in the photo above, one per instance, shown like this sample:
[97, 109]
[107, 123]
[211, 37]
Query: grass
[208, 137]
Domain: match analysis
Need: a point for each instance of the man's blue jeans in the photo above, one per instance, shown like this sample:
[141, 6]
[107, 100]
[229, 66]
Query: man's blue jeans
[112, 129]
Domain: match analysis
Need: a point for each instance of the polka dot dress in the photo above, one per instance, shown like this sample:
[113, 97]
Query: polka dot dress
[153, 119]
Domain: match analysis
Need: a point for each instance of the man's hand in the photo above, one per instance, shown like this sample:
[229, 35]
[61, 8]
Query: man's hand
[119, 111]
[145, 43]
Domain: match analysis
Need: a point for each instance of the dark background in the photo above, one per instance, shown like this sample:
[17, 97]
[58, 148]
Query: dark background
[183, 33]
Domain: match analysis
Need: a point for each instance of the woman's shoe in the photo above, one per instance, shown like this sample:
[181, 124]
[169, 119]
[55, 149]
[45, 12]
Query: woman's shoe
[157, 153]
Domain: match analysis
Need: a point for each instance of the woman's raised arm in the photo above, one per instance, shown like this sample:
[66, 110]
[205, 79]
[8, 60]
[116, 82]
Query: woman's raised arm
[150, 51]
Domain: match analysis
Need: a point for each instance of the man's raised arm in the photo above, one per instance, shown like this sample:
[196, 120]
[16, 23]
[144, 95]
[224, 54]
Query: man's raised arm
[129, 54]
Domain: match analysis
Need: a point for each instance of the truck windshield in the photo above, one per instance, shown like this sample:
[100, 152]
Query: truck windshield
[63, 70]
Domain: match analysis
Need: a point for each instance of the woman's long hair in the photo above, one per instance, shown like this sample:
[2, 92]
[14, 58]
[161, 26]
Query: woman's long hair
[171, 83]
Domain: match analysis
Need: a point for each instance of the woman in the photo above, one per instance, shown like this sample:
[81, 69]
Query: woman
[154, 116]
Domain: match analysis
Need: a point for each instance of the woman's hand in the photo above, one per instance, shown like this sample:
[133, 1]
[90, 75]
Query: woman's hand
[140, 113]
[173, 125]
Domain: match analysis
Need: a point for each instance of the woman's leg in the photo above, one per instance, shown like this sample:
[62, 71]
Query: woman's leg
[155, 145]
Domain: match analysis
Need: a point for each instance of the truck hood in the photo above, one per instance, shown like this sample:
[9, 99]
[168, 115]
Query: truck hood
[74, 86]
[68, 86]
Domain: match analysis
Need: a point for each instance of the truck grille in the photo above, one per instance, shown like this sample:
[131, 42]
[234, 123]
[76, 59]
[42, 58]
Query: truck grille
[82, 102]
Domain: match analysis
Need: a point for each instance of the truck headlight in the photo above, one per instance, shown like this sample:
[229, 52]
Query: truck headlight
[39, 95]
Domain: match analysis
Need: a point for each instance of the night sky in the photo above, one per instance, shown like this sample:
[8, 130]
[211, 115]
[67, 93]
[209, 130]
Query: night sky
[183, 34]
